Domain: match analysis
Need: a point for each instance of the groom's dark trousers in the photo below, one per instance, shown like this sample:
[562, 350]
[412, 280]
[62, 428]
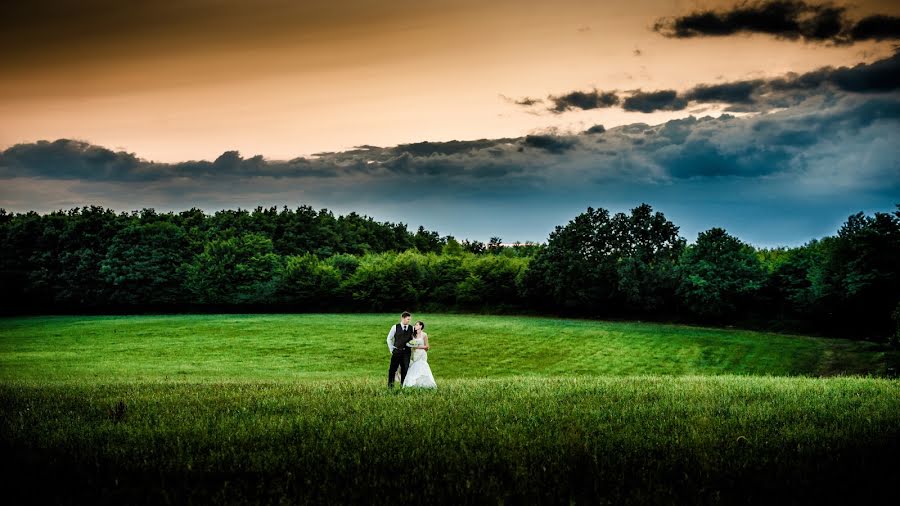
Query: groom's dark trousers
[399, 358]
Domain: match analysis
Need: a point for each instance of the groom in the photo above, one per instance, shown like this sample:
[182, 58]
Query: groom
[397, 338]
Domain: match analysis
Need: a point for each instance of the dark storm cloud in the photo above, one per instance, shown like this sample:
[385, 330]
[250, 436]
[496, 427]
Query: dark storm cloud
[858, 129]
[72, 159]
[835, 155]
[665, 100]
[880, 76]
[738, 92]
[549, 143]
[784, 143]
[877, 27]
[68, 159]
[786, 19]
[584, 100]
[702, 157]
[447, 148]
[760, 94]
[77, 160]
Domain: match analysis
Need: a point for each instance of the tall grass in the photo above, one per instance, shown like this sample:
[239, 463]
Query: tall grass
[261, 409]
[590, 440]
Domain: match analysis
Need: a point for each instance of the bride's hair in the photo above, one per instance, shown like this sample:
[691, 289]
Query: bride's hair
[420, 322]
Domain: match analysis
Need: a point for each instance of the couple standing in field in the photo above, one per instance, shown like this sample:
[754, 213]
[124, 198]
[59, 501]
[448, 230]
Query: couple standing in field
[408, 346]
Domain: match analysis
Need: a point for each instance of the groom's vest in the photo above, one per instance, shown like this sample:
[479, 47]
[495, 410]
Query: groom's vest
[401, 337]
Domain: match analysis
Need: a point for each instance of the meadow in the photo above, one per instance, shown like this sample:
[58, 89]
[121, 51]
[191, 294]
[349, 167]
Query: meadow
[294, 409]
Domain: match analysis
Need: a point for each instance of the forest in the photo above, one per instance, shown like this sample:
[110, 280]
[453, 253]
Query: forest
[631, 266]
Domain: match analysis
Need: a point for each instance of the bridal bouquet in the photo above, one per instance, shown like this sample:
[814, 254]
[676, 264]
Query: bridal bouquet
[414, 342]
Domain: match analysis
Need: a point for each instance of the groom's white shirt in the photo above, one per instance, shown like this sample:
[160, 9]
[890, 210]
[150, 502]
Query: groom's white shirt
[390, 339]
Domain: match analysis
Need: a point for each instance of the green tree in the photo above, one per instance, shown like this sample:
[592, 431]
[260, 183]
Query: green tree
[787, 294]
[67, 257]
[309, 282]
[857, 285]
[491, 281]
[298, 231]
[577, 271]
[476, 247]
[527, 249]
[719, 275]
[427, 242]
[147, 263]
[443, 273]
[345, 264]
[229, 223]
[20, 235]
[648, 251]
[495, 246]
[237, 270]
[451, 247]
[387, 281]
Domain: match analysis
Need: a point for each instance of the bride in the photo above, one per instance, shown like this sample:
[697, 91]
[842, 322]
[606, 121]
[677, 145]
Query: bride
[419, 374]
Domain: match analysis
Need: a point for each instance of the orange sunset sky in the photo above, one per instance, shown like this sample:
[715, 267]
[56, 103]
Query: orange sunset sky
[173, 81]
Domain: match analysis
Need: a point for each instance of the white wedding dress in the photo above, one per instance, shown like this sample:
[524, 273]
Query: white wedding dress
[419, 374]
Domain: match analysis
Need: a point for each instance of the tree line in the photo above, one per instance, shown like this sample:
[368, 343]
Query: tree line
[627, 265]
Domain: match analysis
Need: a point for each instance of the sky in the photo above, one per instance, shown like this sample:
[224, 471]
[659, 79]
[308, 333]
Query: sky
[772, 119]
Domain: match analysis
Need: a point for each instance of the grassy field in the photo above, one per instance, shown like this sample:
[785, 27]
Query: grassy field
[293, 409]
[291, 348]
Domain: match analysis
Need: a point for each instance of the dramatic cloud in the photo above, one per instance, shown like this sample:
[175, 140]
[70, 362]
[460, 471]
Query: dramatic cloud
[66, 159]
[447, 148]
[71, 159]
[758, 95]
[787, 19]
[583, 100]
[549, 143]
[824, 147]
[878, 27]
[815, 163]
[666, 100]
[77, 160]
[688, 147]
[739, 92]
[880, 76]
